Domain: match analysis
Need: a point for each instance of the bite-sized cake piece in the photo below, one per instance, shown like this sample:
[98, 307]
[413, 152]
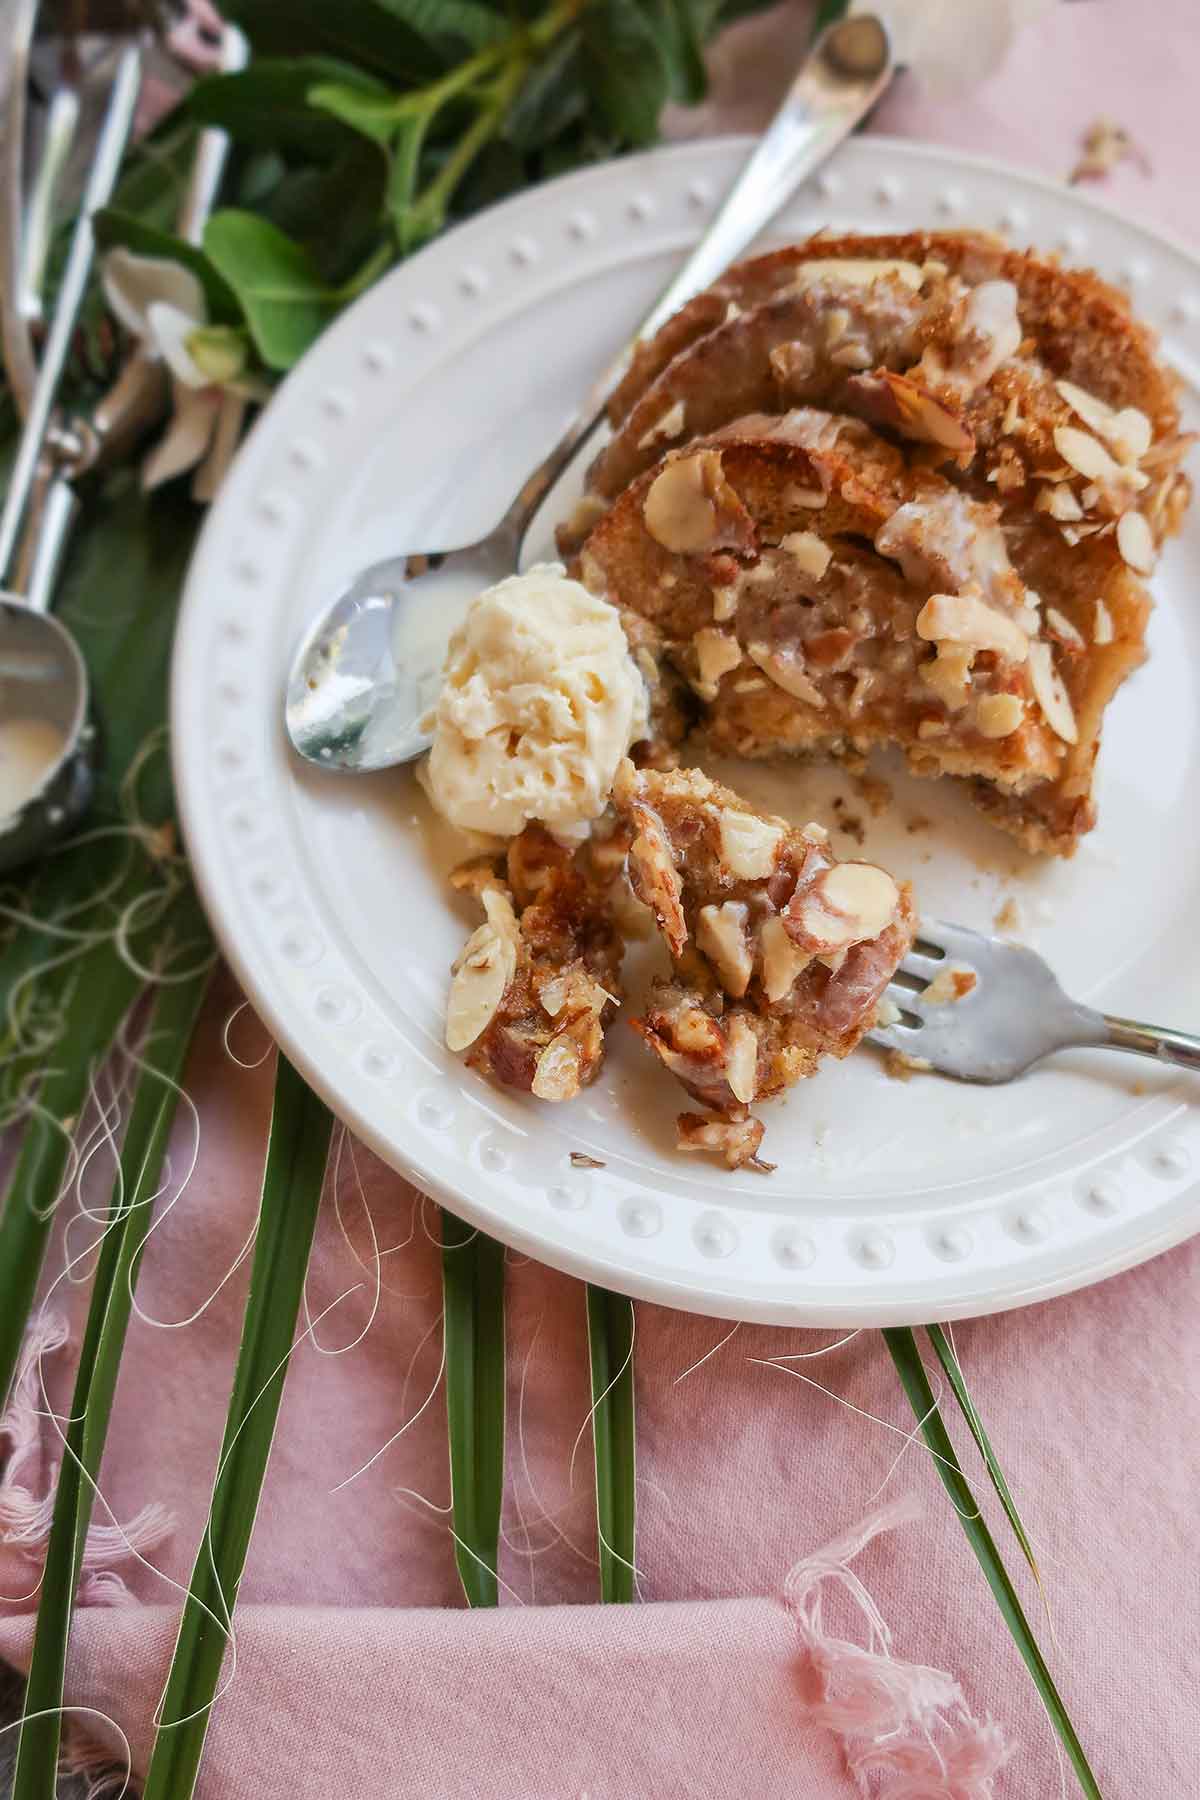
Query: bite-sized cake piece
[536, 985]
[821, 595]
[781, 953]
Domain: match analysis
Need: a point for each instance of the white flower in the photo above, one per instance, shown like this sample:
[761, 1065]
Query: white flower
[951, 45]
[162, 305]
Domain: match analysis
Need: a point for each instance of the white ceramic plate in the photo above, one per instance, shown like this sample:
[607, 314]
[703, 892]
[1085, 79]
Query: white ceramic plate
[409, 426]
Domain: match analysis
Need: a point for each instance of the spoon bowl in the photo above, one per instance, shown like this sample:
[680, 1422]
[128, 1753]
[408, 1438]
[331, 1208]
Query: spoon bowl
[368, 670]
[48, 744]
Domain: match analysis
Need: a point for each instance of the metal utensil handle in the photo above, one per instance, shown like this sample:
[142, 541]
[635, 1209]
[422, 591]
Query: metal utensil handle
[841, 78]
[110, 148]
[1177, 1047]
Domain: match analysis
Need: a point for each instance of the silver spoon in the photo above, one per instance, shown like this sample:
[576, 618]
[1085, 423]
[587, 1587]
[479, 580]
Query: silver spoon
[368, 668]
[47, 744]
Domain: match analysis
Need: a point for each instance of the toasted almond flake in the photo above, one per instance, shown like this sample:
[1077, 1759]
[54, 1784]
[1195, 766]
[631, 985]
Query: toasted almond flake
[1102, 630]
[669, 426]
[847, 904]
[837, 324]
[754, 684]
[887, 1013]
[587, 511]
[812, 498]
[1088, 457]
[855, 271]
[1060, 626]
[782, 960]
[931, 728]
[481, 974]
[816, 834]
[1135, 542]
[741, 1067]
[1050, 693]
[721, 936]
[717, 652]
[748, 845]
[852, 356]
[558, 1067]
[963, 619]
[1012, 416]
[999, 715]
[1059, 501]
[786, 675]
[949, 674]
[725, 603]
[811, 553]
[1129, 431]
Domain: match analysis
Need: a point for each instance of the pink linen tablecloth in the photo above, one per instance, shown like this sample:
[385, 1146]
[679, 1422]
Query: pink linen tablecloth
[357, 1669]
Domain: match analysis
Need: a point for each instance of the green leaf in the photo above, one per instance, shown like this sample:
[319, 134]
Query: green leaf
[364, 33]
[451, 23]
[117, 228]
[473, 1298]
[412, 222]
[375, 116]
[143, 1150]
[907, 1358]
[291, 1192]
[269, 106]
[954, 1375]
[335, 212]
[285, 302]
[681, 27]
[624, 69]
[550, 99]
[610, 1358]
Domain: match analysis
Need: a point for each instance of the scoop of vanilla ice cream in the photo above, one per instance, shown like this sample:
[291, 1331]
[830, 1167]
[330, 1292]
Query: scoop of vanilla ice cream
[541, 700]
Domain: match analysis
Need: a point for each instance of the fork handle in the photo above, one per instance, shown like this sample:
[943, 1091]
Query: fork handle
[1179, 1048]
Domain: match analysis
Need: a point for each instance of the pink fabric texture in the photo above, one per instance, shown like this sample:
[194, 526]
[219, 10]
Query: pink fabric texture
[358, 1669]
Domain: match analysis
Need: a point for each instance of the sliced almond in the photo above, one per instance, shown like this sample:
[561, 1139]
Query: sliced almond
[999, 715]
[748, 845]
[782, 960]
[949, 674]
[741, 1067]
[1060, 627]
[721, 935]
[837, 324]
[587, 511]
[811, 553]
[1088, 457]
[910, 408]
[557, 1076]
[856, 271]
[1136, 542]
[1050, 693]
[1060, 501]
[785, 674]
[481, 974]
[1129, 431]
[811, 498]
[666, 428]
[725, 602]
[690, 507]
[1102, 630]
[792, 363]
[656, 882]
[846, 904]
[964, 619]
[852, 356]
[717, 652]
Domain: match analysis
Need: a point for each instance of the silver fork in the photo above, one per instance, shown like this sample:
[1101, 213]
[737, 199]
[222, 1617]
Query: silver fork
[1012, 1015]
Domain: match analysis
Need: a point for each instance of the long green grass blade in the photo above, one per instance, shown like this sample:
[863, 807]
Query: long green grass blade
[610, 1357]
[291, 1192]
[954, 1375]
[907, 1358]
[143, 1150]
[473, 1298]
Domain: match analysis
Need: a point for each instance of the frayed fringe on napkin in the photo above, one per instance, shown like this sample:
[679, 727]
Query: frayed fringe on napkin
[27, 1503]
[907, 1726]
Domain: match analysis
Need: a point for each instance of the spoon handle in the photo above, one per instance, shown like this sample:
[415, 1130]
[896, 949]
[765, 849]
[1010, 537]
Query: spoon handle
[843, 75]
[114, 135]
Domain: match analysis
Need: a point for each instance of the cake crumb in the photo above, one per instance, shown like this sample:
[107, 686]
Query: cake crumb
[849, 822]
[1104, 145]
[949, 985]
[1138, 1087]
[902, 1067]
[875, 791]
[1008, 918]
[580, 1161]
